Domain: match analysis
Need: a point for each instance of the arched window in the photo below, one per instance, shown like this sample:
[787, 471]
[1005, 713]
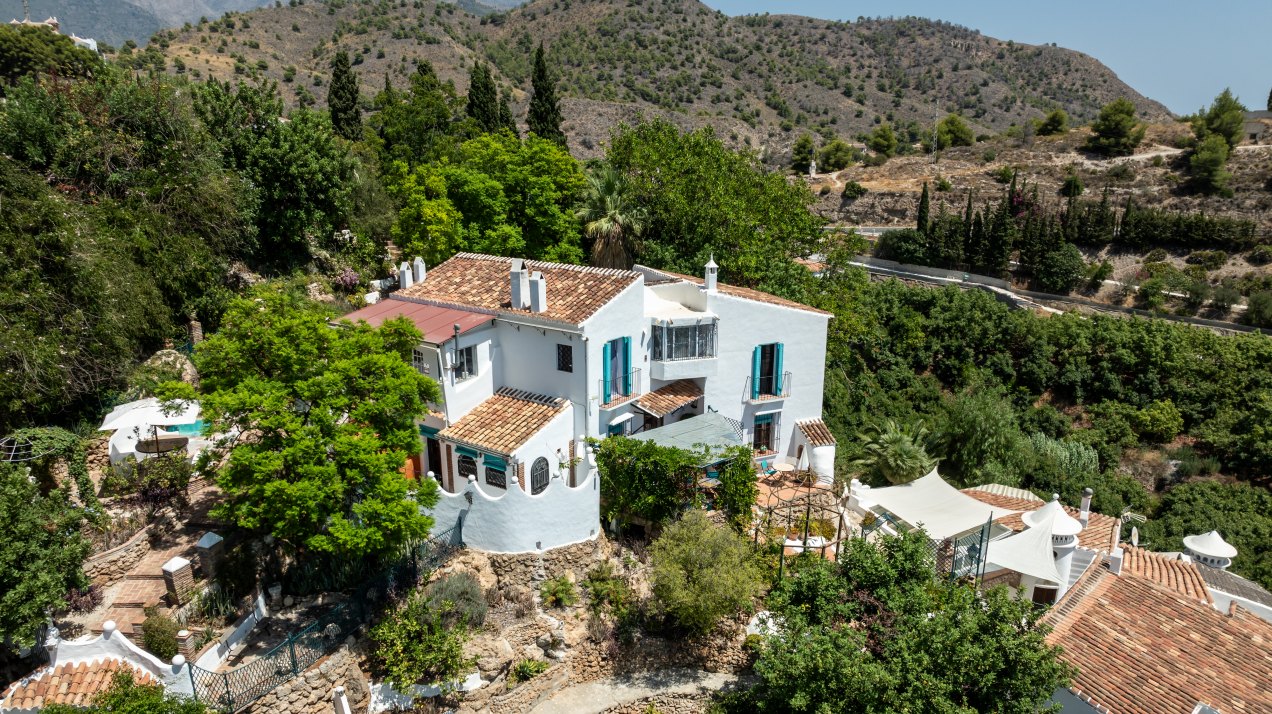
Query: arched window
[467, 466]
[539, 476]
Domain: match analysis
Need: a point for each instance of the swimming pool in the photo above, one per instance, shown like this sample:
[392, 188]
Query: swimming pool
[195, 429]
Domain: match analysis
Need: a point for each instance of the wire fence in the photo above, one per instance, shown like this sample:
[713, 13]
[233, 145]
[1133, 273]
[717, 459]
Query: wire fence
[233, 690]
[957, 558]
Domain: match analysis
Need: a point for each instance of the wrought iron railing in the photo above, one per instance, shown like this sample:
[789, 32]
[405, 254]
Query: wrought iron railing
[758, 389]
[620, 386]
[234, 689]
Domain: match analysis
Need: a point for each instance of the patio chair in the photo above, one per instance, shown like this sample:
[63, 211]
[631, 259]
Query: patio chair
[768, 470]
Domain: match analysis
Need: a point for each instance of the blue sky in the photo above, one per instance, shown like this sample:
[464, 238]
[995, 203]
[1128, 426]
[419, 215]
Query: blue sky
[1180, 53]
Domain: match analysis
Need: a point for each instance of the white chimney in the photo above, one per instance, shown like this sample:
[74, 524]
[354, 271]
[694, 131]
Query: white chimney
[1210, 549]
[1085, 514]
[710, 277]
[404, 275]
[418, 271]
[538, 293]
[520, 282]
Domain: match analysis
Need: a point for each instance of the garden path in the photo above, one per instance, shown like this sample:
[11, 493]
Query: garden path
[603, 694]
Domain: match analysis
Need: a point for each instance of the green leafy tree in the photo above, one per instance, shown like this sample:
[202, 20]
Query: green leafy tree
[895, 454]
[953, 131]
[978, 432]
[126, 696]
[544, 115]
[645, 480]
[1072, 186]
[1056, 122]
[343, 99]
[416, 643]
[837, 155]
[802, 153]
[505, 113]
[27, 51]
[923, 222]
[483, 98]
[331, 417]
[702, 572]
[40, 553]
[1208, 165]
[1115, 131]
[880, 628]
[417, 126]
[737, 493]
[1224, 118]
[611, 219]
[1259, 309]
[1060, 270]
[705, 200]
[883, 140]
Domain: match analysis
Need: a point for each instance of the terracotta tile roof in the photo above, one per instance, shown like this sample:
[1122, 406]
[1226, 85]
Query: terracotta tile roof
[735, 291]
[574, 292]
[670, 397]
[504, 422]
[1098, 534]
[816, 432]
[1143, 648]
[70, 683]
[1179, 575]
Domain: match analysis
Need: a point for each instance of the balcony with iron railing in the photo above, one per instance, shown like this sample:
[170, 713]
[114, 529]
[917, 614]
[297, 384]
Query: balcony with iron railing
[618, 389]
[767, 387]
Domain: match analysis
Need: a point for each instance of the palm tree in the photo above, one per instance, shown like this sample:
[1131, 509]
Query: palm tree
[897, 453]
[610, 217]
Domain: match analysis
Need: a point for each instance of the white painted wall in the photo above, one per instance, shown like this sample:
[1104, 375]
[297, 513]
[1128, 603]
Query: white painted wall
[462, 396]
[1223, 602]
[175, 678]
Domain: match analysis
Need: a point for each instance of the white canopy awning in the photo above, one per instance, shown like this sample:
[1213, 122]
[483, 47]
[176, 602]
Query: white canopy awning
[1027, 552]
[149, 412]
[938, 507]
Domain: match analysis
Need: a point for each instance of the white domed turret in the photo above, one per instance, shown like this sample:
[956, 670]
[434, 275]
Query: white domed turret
[1210, 549]
[1064, 536]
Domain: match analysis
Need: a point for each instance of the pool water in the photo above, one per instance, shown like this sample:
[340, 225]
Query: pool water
[195, 429]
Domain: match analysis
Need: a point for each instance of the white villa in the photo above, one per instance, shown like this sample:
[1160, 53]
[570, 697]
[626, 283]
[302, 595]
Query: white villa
[534, 358]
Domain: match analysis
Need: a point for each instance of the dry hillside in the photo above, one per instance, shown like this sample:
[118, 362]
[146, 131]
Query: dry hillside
[762, 79]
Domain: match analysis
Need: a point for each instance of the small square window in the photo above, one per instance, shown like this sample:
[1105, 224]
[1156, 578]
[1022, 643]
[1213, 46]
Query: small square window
[565, 358]
[465, 363]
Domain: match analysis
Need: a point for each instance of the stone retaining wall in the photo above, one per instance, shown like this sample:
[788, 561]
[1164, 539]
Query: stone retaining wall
[519, 570]
[519, 700]
[109, 567]
[310, 693]
[666, 704]
[720, 651]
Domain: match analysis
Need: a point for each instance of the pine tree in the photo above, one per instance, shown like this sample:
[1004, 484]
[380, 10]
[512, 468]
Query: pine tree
[802, 154]
[924, 208]
[342, 99]
[544, 115]
[483, 98]
[505, 113]
[1270, 100]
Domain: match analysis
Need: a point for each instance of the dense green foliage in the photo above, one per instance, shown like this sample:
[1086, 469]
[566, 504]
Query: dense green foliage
[1056, 122]
[343, 99]
[611, 218]
[953, 131]
[1225, 118]
[332, 416]
[1241, 513]
[802, 153]
[544, 114]
[879, 628]
[27, 51]
[40, 552]
[159, 636]
[705, 200]
[415, 644]
[1116, 132]
[125, 696]
[883, 140]
[467, 603]
[702, 573]
[483, 99]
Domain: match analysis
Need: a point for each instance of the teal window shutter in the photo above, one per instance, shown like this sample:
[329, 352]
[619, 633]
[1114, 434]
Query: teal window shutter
[763, 419]
[755, 373]
[777, 371]
[494, 462]
[627, 366]
[465, 451]
[427, 431]
[605, 374]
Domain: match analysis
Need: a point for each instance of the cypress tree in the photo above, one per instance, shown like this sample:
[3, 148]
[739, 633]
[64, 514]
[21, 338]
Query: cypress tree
[925, 207]
[505, 113]
[483, 100]
[544, 116]
[342, 99]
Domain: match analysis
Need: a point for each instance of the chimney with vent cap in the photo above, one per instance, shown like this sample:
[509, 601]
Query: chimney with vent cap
[418, 271]
[709, 280]
[520, 284]
[1085, 514]
[404, 275]
[538, 293]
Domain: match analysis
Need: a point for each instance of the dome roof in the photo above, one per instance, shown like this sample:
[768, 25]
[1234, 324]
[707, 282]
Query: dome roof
[1063, 525]
[1211, 544]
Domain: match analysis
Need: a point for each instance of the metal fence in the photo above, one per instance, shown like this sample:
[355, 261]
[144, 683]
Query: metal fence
[233, 690]
[957, 558]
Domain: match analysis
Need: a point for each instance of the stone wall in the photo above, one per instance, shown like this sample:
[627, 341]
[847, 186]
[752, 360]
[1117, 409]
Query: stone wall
[494, 699]
[109, 567]
[666, 704]
[720, 651]
[310, 693]
[516, 571]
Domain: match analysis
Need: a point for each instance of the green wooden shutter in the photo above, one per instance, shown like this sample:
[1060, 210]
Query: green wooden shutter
[605, 373]
[755, 373]
[777, 370]
[627, 366]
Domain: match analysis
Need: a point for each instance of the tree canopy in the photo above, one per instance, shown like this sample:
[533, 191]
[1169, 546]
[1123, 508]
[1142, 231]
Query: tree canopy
[544, 114]
[325, 421]
[1115, 131]
[343, 99]
[953, 131]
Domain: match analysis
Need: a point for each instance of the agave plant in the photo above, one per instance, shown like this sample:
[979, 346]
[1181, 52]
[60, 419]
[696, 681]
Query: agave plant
[898, 453]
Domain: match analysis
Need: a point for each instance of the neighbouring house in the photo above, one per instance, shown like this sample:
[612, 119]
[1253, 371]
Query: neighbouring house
[1150, 633]
[534, 359]
[1257, 128]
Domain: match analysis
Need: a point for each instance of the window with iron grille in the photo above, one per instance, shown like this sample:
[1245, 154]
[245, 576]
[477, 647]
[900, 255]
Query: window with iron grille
[676, 342]
[539, 476]
[496, 477]
[467, 466]
[565, 358]
[762, 438]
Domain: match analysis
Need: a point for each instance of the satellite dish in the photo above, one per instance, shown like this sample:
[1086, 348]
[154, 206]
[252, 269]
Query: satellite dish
[1134, 536]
